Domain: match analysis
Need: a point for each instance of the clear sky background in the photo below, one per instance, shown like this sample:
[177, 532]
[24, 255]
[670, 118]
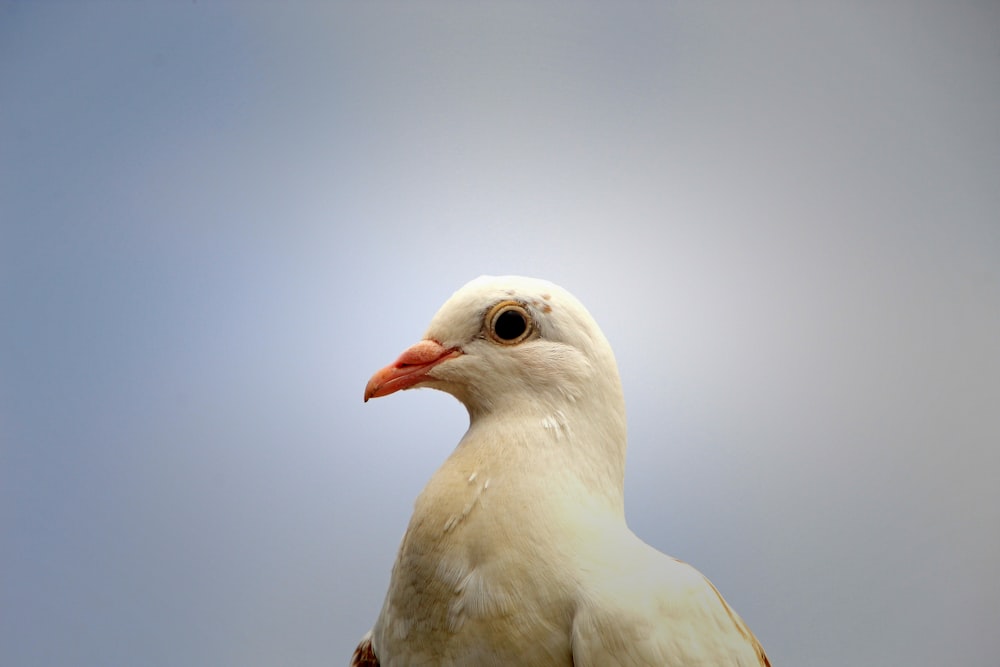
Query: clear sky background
[218, 219]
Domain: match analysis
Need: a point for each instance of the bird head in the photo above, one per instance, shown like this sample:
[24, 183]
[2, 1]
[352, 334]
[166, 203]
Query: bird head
[508, 342]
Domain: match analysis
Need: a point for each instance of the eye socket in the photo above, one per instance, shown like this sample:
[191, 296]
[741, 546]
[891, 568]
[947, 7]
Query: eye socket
[508, 323]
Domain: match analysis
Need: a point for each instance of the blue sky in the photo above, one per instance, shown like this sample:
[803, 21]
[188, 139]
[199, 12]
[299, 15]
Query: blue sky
[218, 219]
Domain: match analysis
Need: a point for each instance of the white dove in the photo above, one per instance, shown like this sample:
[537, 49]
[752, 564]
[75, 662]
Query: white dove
[518, 552]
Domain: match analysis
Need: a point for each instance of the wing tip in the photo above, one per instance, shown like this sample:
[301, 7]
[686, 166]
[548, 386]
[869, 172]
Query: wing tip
[364, 654]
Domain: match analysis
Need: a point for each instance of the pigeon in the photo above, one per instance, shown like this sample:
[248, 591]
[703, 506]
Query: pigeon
[518, 552]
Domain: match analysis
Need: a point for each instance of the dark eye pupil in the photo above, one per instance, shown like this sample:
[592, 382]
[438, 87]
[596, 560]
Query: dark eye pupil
[509, 325]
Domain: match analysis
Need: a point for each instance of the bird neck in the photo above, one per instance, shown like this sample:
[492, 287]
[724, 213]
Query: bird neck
[570, 450]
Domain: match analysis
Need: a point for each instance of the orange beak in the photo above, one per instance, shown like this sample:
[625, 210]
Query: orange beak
[412, 368]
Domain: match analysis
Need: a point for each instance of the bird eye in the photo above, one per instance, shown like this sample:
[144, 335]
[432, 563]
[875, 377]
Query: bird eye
[508, 323]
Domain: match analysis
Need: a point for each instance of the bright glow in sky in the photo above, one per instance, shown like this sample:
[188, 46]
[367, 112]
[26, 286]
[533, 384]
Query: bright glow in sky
[218, 219]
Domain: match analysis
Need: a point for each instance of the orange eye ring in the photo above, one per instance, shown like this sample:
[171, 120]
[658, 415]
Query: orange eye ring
[509, 323]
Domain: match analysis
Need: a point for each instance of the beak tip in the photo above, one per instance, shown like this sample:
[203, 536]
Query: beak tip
[410, 370]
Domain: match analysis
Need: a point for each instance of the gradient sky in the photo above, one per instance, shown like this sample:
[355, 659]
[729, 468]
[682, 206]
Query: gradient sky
[218, 219]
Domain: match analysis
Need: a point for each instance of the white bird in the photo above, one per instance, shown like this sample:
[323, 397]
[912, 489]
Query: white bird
[518, 552]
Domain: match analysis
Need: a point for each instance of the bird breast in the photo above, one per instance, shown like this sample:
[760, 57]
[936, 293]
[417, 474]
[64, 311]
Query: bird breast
[477, 562]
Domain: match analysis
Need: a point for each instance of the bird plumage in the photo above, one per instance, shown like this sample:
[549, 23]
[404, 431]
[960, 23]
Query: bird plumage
[518, 551]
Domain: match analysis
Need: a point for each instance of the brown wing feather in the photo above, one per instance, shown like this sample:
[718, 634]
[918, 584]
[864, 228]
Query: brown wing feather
[742, 627]
[364, 655]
